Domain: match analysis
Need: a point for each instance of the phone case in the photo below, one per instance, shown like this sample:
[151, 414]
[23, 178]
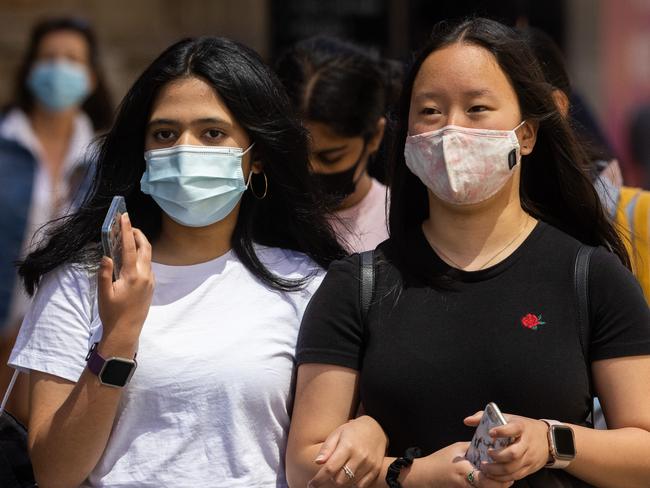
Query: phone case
[112, 234]
[481, 442]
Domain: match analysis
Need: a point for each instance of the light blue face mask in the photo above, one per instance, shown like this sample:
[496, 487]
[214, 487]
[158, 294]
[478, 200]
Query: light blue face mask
[195, 185]
[59, 85]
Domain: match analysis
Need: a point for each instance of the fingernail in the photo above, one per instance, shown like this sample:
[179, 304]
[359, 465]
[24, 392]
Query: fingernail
[320, 457]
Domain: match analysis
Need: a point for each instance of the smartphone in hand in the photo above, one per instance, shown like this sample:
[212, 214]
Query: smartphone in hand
[112, 234]
[481, 442]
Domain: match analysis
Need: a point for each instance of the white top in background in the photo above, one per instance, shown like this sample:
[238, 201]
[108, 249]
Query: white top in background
[363, 226]
[49, 199]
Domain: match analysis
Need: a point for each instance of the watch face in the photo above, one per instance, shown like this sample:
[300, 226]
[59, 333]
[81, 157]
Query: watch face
[116, 372]
[564, 444]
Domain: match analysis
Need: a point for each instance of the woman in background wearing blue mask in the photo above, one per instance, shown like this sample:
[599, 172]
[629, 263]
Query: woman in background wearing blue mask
[60, 102]
[342, 94]
[214, 170]
[476, 298]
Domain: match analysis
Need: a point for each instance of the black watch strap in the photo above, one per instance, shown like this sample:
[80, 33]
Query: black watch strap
[402, 462]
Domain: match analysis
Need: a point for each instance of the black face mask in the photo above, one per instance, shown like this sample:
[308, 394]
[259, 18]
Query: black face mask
[340, 185]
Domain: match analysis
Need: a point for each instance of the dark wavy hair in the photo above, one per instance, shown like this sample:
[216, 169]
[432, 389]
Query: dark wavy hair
[555, 184]
[337, 83]
[98, 105]
[289, 217]
[342, 85]
[550, 58]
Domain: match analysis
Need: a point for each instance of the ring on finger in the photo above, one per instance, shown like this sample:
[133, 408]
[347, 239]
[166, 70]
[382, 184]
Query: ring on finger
[348, 472]
[471, 479]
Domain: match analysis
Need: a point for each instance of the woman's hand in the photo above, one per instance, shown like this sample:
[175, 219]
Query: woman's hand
[448, 468]
[360, 445]
[124, 303]
[526, 455]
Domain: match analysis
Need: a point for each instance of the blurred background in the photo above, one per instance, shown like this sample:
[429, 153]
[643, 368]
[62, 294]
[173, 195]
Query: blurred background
[606, 42]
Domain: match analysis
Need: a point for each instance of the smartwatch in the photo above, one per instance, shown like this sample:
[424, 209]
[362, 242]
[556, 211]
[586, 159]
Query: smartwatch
[561, 444]
[113, 371]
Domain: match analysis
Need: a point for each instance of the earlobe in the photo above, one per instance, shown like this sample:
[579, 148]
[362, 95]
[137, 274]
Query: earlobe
[375, 140]
[257, 167]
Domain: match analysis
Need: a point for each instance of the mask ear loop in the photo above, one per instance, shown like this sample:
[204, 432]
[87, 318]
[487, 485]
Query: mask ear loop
[250, 178]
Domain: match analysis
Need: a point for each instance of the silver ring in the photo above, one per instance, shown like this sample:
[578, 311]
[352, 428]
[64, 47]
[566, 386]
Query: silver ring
[348, 472]
[470, 477]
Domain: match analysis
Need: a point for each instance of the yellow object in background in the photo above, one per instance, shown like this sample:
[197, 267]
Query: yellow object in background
[633, 219]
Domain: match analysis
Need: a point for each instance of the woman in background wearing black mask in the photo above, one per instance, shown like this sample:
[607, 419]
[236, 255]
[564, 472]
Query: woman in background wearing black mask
[342, 94]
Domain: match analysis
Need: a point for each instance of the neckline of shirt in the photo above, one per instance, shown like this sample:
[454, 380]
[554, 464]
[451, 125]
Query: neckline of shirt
[435, 264]
[213, 266]
[17, 127]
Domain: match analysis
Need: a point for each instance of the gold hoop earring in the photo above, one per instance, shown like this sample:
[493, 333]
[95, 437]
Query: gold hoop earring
[266, 188]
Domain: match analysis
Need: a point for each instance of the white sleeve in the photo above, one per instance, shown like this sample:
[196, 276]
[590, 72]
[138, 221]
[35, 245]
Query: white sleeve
[56, 333]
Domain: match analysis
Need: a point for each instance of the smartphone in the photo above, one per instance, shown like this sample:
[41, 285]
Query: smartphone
[112, 234]
[481, 442]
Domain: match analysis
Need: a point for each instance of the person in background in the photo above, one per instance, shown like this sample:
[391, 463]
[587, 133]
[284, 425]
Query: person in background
[639, 135]
[214, 169]
[342, 94]
[629, 207]
[475, 297]
[60, 103]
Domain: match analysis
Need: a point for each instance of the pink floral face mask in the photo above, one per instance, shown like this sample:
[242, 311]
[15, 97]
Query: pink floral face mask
[463, 166]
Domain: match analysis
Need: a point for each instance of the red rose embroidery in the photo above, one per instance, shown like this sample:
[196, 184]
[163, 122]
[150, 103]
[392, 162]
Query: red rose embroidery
[532, 321]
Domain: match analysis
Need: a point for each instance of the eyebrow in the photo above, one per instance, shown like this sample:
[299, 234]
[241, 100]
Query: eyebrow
[428, 95]
[205, 120]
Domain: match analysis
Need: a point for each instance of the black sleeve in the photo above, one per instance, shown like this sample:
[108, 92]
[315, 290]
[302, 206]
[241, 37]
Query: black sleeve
[619, 313]
[331, 331]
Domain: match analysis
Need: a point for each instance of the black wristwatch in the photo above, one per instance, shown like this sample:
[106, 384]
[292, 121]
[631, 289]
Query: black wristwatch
[115, 372]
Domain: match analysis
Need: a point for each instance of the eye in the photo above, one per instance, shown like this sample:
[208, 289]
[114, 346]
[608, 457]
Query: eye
[163, 135]
[478, 108]
[430, 111]
[328, 160]
[213, 133]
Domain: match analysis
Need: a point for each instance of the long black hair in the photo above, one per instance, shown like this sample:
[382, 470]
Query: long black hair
[551, 60]
[341, 85]
[98, 105]
[555, 186]
[288, 217]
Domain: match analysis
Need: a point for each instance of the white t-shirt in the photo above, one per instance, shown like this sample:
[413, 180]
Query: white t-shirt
[209, 403]
[363, 226]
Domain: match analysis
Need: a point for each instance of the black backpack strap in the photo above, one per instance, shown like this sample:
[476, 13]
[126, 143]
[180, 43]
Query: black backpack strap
[367, 282]
[582, 291]
[581, 279]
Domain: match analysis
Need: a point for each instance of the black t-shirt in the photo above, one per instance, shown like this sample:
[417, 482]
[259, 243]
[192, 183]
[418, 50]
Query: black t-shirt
[428, 356]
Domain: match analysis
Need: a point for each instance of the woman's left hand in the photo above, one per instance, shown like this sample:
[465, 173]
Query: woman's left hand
[527, 454]
[358, 445]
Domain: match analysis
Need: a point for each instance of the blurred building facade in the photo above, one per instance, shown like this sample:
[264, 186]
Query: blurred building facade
[607, 42]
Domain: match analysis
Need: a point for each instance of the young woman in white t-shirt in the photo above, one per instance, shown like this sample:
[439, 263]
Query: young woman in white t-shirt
[342, 94]
[215, 174]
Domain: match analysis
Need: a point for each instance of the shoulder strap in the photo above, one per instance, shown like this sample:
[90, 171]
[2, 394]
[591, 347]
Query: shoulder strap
[367, 281]
[581, 277]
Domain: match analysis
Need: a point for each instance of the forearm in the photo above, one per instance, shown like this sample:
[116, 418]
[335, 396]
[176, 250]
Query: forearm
[301, 468]
[65, 448]
[612, 458]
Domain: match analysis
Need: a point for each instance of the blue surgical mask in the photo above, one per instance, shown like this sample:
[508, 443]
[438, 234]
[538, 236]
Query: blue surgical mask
[195, 185]
[59, 84]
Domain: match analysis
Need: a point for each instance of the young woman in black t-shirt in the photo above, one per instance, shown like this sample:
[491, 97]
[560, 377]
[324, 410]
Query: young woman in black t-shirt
[475, 299]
